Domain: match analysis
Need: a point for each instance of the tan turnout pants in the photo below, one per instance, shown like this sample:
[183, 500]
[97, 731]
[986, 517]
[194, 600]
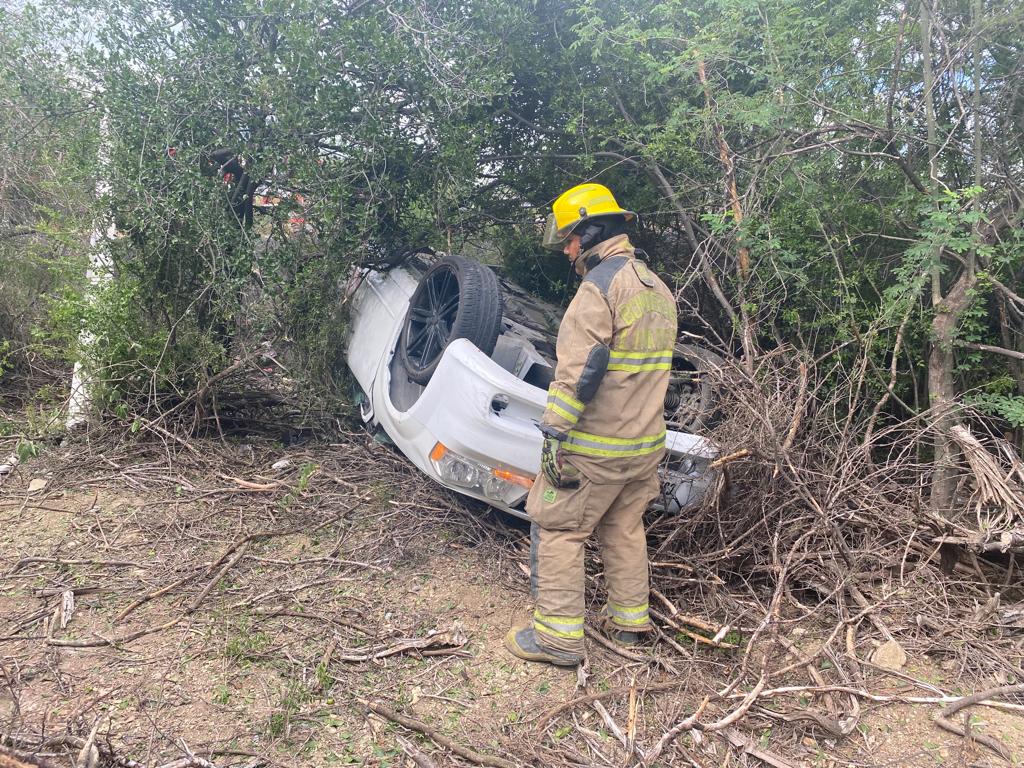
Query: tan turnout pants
[562, 520]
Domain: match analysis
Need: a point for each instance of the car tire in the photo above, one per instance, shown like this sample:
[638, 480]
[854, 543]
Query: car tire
[691, 403]
[456, 299]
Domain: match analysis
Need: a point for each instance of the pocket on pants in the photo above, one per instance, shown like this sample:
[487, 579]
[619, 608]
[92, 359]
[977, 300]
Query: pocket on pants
[557, 509]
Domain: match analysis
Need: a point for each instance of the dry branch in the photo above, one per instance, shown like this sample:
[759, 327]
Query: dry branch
[157, 593]
[994, 486]
[436, 736]
[418, 757]
[678, 627]
[721, 461]
[610, 722]
[57, 561]
[686, 724]
[115, 641]
[239, 554]
[437, 642]
[763, 755]
[611, 693]
[682, 618]
[943, 721]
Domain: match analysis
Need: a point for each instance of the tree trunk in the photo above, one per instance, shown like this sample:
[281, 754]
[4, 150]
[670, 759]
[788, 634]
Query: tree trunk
[100, 268]
[941, 383]
[942, 390]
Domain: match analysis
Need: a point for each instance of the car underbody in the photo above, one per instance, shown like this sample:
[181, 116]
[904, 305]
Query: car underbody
[472, 426]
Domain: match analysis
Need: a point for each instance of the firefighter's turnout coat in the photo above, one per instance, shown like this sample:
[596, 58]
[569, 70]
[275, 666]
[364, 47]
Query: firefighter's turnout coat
[614, 351]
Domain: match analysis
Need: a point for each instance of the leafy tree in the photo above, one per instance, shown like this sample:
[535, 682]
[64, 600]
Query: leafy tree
[46, 150]
[351, 117]
[840, 175]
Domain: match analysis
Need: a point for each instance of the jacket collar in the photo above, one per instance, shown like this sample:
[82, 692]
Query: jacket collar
[613, 246]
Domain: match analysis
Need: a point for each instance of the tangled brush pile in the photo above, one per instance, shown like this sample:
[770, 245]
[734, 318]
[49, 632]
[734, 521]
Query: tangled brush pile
[822, 515]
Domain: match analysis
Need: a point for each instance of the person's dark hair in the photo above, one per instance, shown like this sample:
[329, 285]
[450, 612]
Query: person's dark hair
[599, 229]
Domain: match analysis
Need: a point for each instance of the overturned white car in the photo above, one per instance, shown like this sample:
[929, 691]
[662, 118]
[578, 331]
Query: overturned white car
[454, 366]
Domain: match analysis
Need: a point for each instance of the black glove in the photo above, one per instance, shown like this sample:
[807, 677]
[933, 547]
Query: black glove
[558, 472]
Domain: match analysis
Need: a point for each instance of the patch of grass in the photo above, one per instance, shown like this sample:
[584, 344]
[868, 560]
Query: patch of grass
[324, 680]
[25, 450]
[293, 698]
[306, 473]
[382, 493]
[222, 695]
[245, 646]
[387, 755]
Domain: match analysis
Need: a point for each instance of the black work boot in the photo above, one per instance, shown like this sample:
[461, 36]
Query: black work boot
[522, 642]
[621, 635]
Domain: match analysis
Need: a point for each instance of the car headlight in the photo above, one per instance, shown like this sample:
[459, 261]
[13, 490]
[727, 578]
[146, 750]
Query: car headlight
[500, 485]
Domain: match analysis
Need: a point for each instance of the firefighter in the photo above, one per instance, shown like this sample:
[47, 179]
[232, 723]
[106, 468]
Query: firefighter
[604, 431]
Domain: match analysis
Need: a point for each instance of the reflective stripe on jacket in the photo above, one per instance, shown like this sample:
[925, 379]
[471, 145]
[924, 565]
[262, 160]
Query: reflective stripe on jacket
[614, 350]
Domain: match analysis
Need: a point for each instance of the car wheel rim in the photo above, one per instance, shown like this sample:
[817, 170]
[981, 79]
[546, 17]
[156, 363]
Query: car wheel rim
[432, 318]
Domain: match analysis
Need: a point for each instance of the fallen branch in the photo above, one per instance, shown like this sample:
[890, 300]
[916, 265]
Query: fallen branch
[741, 710]
[233, 547]
[610, 722]
[251, 486]
[943, 721]
[723, 460]
[798, 409]
[691, 621]
[590, 698]
[880, 698]
[631, 717]
[447, 641]
[157, 593]
[101, 641]
[192, 761]
[89, 754]
[618, 650]
[420, 759]
[693, 635]
[685, 724]
[57, 561]
[763, 755]
[435, 736]
[220, 575]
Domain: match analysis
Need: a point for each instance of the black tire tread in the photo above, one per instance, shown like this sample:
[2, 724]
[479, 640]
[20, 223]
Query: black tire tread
[478, 318]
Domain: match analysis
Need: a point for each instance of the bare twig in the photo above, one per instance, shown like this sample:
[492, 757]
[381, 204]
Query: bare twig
[943, 721]
[436, 736]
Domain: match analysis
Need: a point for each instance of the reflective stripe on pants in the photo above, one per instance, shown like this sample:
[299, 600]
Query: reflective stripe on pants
[628, 615]
[568, 628]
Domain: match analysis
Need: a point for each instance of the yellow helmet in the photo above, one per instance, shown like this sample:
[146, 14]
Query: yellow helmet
[574, 206]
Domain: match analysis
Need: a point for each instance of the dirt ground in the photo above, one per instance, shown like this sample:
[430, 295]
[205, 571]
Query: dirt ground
[252, 615]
